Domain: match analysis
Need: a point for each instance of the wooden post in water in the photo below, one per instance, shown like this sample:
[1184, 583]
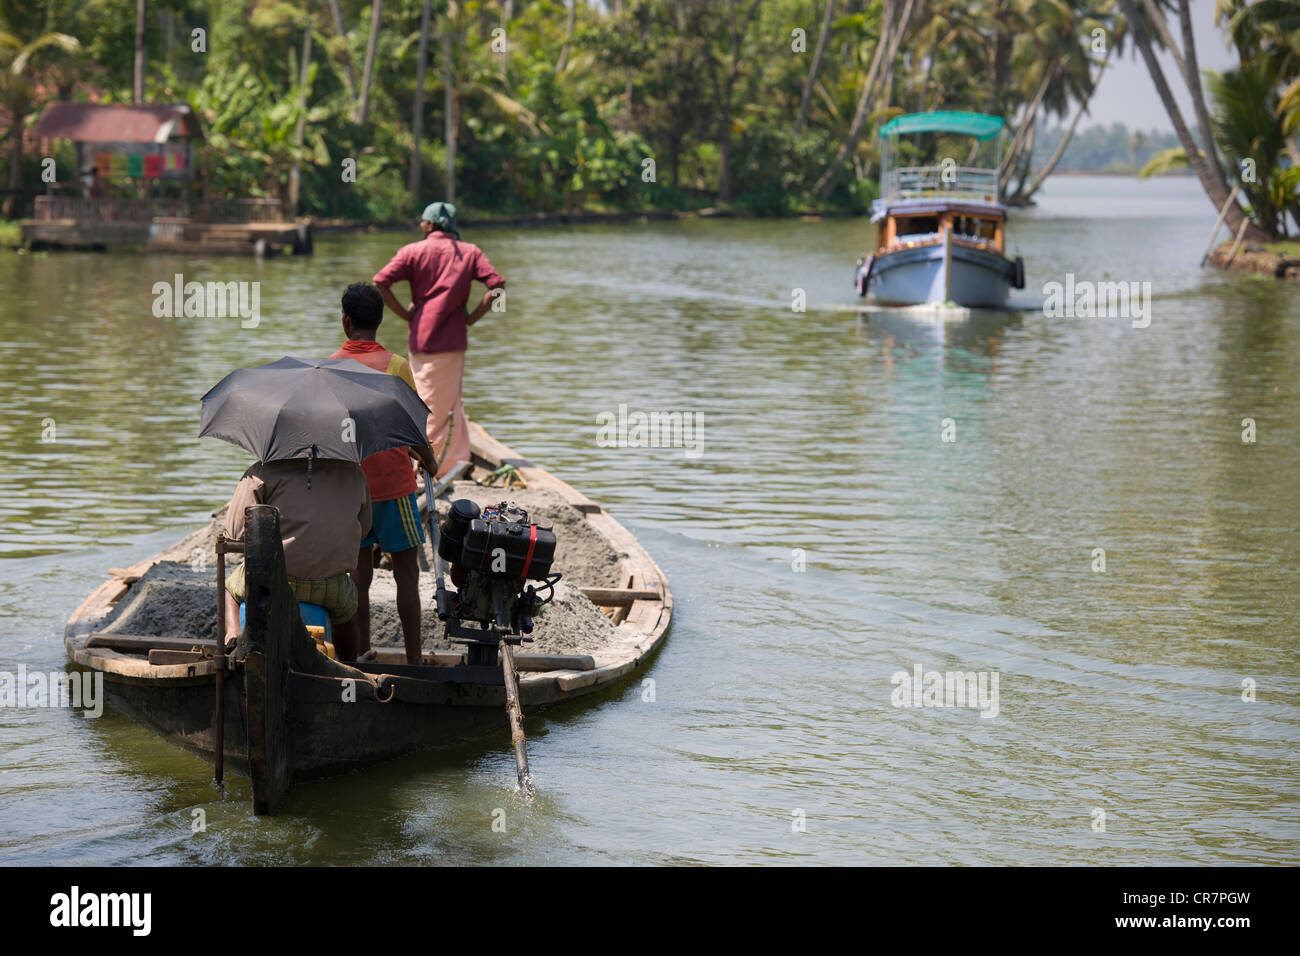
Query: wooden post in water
[516, 716]
[219, 660]
[272, 627]
[1223, 213]
[1232, 253]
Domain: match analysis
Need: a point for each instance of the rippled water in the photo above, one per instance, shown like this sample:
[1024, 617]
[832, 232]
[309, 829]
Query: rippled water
[1119, 690]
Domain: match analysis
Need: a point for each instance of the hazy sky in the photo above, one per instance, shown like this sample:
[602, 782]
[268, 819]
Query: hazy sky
[1127, 95]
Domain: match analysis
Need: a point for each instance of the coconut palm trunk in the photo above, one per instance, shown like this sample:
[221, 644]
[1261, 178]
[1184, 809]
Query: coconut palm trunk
[568, 35]
[137, 85]
[822, 36]
[1069, 133]
[1193, 78]
[417, 108]
[737, 32]
[1212, 184]
[449, 113]
[887, 45]
[18, 108]
[337, 16]
[368, 71]
[1026, 123]
[295, 171]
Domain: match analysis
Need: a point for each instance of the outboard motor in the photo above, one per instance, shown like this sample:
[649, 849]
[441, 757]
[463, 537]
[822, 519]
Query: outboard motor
[493, 553]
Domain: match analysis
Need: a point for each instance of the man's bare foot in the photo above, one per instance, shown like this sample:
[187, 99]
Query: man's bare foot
[370, 655]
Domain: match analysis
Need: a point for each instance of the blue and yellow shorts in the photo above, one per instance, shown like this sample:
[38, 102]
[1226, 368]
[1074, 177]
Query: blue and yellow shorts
[395, 525]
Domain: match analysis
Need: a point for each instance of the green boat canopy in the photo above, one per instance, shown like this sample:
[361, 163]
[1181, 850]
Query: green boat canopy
[980, 125]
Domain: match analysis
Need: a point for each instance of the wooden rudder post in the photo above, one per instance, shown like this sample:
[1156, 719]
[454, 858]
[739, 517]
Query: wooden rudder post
[270, 619]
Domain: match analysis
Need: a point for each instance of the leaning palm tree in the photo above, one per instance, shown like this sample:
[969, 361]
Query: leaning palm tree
[1204, 164]
[17, 56]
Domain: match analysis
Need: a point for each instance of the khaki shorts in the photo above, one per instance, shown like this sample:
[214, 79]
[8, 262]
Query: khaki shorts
[337, 595]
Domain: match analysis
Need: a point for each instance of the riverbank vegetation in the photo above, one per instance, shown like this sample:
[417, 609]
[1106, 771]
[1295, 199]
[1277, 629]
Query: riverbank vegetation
[521, 106]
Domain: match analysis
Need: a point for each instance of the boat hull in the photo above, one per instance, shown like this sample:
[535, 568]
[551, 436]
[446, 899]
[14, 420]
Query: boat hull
[331, 727]
[940, 273]
[291, 713]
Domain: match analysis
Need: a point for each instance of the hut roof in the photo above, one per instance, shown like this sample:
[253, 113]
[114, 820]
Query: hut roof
[117, 123]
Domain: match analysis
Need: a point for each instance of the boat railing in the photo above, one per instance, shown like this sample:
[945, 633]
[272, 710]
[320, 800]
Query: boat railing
[947, 181]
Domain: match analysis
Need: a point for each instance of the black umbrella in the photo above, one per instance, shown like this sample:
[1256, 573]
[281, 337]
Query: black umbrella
[314, 408]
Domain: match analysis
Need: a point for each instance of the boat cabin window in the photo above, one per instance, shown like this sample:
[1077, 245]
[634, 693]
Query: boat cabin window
[917, 225]
[973, 228]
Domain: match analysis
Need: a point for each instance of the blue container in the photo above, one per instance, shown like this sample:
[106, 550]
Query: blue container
[313, 615]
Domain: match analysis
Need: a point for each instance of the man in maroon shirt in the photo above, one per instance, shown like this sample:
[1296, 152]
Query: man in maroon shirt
[440, 268]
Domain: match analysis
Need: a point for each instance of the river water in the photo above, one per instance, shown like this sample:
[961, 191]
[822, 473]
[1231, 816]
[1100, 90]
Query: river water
[821, 538]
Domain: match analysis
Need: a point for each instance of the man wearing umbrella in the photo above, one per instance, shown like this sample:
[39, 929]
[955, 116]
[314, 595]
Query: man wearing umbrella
[440, 269]
[310, 422]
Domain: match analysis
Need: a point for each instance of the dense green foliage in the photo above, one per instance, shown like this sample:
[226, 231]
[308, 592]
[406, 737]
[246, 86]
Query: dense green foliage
[709, 90]
[768, 106]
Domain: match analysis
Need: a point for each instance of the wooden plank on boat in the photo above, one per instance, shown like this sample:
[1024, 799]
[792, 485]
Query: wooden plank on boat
[389, 657]
[396, 655]
[144, 643]
[554, 662]
[620, 597]
[157, 656]
[602, 675]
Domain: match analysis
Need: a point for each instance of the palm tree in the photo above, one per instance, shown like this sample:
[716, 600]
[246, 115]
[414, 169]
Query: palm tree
[349, 77]
[1205, 165]
[138, 82]
[806, 96]
[724, 89]
[568, 35]
[368, 71]
[417, 109]
[17, 55]
[1270, 29]
[1245, 121]
[891, 35]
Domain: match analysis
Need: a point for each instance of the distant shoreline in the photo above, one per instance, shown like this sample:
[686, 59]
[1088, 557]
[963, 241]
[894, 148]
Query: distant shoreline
[324, 227]
[1176, 174]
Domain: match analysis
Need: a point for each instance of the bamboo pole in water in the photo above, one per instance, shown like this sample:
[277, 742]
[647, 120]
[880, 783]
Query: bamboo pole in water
[1232, 253]
[516, 716]
[1223, 213]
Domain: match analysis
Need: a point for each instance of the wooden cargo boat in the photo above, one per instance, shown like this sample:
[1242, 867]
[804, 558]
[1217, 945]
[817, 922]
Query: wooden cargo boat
[288, 715]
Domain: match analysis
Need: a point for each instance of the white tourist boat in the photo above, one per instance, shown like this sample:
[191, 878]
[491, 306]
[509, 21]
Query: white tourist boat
[940, 230]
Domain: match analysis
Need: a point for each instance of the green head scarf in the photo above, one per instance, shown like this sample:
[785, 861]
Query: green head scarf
[442, 215]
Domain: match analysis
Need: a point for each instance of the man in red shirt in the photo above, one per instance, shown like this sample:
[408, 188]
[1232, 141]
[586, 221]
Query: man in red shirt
[395, 516]
[440, 269]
